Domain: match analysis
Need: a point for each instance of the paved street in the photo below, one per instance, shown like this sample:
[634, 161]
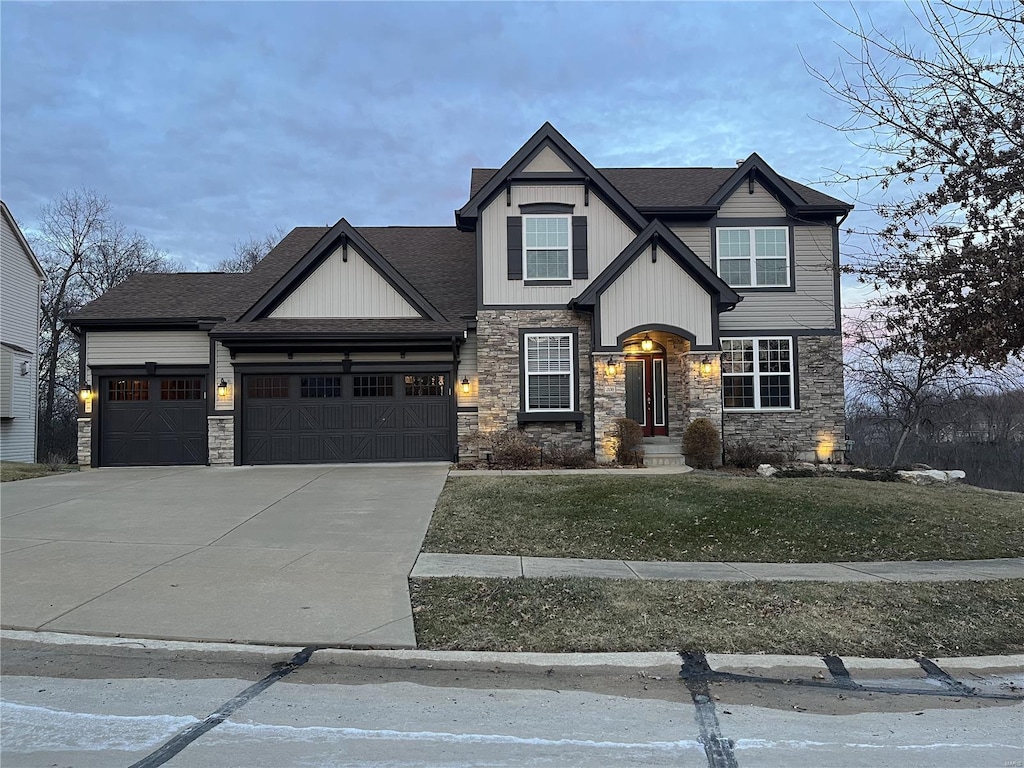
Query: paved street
[110, 706]
[300, 554]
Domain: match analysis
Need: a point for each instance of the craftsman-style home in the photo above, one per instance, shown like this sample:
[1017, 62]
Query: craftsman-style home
[565, 296]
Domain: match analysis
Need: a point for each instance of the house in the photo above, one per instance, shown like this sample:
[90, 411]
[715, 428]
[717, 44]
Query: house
[564, 297]
[21, 280]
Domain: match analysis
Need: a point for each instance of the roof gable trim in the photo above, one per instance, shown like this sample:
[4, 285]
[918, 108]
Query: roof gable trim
[754, 167]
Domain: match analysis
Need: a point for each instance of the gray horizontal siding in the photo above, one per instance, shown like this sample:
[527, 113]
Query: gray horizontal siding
[697, 239]
[19, 292]
[138, 347]
[18, 433]
[742, 204]
[468, 369]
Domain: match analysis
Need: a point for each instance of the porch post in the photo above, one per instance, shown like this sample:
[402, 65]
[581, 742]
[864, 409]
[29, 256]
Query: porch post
[609, 404]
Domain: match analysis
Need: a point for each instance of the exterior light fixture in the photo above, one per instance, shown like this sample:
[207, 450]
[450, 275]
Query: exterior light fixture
[85, 392]
[24, 367]
[611, 367]
[222, 388]
[465, 385]
[705, 366]
[647, 344]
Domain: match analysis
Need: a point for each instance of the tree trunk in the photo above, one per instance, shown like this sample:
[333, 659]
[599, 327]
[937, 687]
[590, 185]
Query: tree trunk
[899, 446]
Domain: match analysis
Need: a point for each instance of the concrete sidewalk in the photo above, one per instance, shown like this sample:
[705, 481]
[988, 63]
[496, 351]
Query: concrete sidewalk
[432, 565]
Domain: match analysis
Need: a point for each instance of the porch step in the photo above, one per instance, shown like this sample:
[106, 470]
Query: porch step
[663, 452]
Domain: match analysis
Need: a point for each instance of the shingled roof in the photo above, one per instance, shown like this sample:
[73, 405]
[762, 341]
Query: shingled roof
[439, 261]
[668, 187]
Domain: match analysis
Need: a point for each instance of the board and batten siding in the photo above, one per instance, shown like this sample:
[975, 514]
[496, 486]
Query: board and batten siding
[811, 305]
[655, 293]
[139, 347]
[742, 204]
[340, 288]
[607, 237]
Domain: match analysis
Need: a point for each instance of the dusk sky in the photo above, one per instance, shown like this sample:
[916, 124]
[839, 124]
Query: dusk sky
[207, 123]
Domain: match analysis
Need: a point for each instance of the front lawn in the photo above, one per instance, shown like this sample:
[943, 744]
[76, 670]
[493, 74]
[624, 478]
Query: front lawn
[884, 620]
[704, 517]
[16, 470]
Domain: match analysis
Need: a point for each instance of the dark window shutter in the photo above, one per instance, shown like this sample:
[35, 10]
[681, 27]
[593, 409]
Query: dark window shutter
[579, 248]
[515, 247]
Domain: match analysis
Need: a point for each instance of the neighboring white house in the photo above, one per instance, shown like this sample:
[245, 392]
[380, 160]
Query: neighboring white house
[21, 279]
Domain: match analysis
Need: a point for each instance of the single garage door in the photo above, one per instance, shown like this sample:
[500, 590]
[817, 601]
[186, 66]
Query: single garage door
[346, 417]
[152, 420]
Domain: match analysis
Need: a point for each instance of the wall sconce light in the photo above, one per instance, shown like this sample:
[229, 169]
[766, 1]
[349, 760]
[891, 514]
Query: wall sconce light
[647, 343]
[705, 366]
[85, 392]
[222, 388]
[24, 367]
[465, 385]
[611, 367]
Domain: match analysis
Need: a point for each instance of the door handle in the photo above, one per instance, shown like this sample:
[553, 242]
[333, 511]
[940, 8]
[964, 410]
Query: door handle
[650, 401]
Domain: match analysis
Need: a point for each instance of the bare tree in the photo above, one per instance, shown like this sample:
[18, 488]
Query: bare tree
[83, 254]
[946, 121]
[249, 253]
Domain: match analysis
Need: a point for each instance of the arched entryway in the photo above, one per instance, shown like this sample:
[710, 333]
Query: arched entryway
[646, 392]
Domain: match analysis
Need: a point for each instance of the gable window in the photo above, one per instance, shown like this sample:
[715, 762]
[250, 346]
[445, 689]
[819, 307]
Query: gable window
[546, 247]
[754, 257]
[549, 372]
[757, 374]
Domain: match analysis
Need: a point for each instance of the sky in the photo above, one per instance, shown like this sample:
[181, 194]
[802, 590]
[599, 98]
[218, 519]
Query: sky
[208, 123]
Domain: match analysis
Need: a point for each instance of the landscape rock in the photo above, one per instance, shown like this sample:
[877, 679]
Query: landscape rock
[930, 476]
[766, 470]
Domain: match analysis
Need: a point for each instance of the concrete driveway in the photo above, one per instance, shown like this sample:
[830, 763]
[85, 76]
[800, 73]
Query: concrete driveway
[281, 555]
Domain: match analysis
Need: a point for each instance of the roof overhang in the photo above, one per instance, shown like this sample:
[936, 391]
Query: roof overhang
[311, 341]
[144, 323]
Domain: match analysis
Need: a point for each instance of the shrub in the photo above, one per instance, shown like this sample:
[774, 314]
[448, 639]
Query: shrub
[629, 437]
[701, 444]
[55, 461]
[512, 449]
[569, 456]
[748, 456]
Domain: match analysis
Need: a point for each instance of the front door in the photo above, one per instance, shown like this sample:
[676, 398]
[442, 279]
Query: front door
[645, 393]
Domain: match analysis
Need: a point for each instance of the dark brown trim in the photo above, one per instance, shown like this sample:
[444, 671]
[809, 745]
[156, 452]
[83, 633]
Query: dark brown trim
[575, 394]
[467, 409]
[534, 283]
[514, 246]
[535, 208]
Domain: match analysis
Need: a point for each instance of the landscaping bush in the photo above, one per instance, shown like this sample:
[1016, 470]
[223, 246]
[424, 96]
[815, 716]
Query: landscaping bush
[629, 437]
[55, 461]
[568, 456]
[512, 449]
[746, 455]
[701, 444]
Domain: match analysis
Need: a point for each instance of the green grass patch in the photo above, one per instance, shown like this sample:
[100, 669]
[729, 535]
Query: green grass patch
[16, 470]
[709, 517]
[579, 615]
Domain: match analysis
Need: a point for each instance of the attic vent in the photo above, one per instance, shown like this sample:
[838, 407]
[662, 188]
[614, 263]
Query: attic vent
[740, 162]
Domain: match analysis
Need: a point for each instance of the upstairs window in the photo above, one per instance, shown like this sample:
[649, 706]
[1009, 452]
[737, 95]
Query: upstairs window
[549, 372]
[546, 247]
[754, 257]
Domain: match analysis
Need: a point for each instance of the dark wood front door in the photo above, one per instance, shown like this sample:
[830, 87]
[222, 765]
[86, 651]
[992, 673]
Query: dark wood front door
[645, 393]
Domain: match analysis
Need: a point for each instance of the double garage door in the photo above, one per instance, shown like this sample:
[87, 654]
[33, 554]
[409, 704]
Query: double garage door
[152, 420]
[346, 417]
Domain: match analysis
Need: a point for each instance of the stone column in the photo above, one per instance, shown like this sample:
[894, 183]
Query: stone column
[221, 440]
[705, 390]
[84, 443]
[609, 404]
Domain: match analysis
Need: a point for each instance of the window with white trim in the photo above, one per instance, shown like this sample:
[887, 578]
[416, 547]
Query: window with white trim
[757, 374]
[547, 243]
[754, 257]
[549, 371]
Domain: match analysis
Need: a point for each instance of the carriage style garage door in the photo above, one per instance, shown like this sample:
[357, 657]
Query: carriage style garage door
[346, 417]
[152, 420]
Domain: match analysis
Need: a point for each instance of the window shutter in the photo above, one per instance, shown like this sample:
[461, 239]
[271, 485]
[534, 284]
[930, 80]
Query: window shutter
[579, 248]
[515, 247]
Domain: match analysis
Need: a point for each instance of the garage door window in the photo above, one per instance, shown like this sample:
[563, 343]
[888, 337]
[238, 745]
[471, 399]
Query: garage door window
[181, 389]
[373, 386]
[424, 386]
[121, 390]
[267, 387]
[320, 386]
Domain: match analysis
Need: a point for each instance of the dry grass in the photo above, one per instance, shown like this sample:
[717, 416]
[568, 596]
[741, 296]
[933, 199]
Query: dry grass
[886, 620]
[714, 517]
[16, 470]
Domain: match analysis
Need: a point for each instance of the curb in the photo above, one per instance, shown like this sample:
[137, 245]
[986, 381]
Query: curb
[497, 661]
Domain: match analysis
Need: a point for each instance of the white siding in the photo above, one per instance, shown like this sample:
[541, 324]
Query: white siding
[468, 369]
[547, 161]
[138, 347]
[812, 305]
[345, 289]
[655, 293]
[607, 237]
[18, 433]
[698, 239]
[742, 204]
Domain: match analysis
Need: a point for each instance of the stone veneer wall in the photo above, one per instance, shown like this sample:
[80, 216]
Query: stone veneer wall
[84, 442]
[498, 363]
[609, 404]
[221, 440]
[818, 427]
[468, 426]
